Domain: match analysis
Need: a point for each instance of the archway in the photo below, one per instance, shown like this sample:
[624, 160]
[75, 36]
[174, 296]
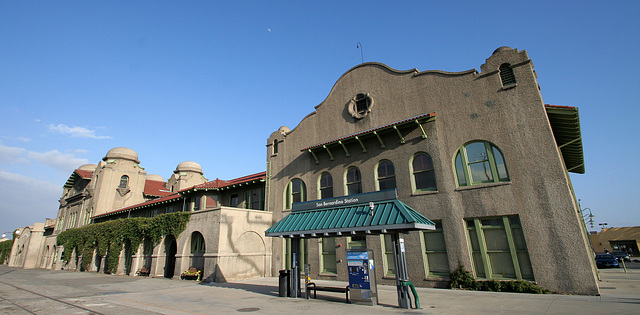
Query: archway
[170, 248]
[127, 257]
[197, 250]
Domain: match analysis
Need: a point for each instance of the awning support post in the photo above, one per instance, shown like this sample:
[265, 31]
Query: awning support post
[345, 148]
[382, 146]
[314, 156]
[399, 134]
[328, 151]
[424, 134]
[364, 150]
[404, 300]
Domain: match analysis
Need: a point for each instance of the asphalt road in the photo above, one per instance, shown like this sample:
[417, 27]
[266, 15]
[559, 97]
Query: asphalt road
[37, 291]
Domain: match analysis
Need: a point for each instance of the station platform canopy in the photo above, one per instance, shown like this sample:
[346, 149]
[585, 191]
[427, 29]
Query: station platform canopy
[362, 214]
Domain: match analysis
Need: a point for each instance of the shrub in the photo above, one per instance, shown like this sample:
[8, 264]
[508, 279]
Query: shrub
[462, 279]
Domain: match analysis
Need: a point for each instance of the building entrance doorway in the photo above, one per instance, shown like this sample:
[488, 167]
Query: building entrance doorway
[170, 248]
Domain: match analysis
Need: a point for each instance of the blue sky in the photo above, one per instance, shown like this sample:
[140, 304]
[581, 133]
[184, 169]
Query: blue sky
[209, 81]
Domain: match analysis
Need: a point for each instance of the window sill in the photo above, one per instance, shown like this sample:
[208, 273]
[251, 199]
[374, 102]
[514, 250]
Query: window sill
[422, 193]
[324, 274]
[482, 186]
[437, 278]
[509, 86]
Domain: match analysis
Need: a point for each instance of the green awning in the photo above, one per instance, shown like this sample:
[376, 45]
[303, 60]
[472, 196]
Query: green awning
[565, 123]
[379, 217]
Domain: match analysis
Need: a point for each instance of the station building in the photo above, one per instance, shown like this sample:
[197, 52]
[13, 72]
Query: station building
[224, 237]
[477, 152]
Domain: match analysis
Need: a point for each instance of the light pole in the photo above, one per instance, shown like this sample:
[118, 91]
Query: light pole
[6, 233]
[586, 217]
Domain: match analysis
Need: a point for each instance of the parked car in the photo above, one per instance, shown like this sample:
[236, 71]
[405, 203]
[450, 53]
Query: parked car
[606, 260]
[620, 255]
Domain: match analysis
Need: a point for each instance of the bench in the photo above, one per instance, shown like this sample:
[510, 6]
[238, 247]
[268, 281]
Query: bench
[143, 272]
[192, 273]
[313, 287]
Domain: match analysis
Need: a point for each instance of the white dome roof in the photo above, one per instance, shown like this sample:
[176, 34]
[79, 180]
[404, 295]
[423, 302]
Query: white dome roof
[88, 167]
[155, 177]
[188, 166]
[122, 153]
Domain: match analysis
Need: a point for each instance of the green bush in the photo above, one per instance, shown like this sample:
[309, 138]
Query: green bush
[462, 279]
[108, 238]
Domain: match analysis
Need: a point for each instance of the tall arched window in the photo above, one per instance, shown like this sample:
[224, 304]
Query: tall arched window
[197, 243]
[296, 192]
[326, 186]
[354, 181]
[386, 175]
[424, 178]
[507, 76]
[480, 162]
[124, 181]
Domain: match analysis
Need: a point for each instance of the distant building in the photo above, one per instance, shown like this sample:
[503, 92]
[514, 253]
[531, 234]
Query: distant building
[625, 239]
[479, 153]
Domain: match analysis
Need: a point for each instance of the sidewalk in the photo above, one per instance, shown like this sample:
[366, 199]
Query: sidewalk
[44, 292]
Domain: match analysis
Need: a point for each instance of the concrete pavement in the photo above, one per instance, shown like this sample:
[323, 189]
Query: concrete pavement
[37, 291]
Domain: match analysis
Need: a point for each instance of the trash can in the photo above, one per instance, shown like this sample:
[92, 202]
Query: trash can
[283, 284]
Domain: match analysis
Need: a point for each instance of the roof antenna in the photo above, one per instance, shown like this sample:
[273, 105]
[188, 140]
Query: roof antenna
[358, 45]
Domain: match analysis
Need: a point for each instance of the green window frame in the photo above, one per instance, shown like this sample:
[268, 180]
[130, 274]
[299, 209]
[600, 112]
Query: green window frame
[387, 258]
[480, 162]
[234, 200]
[296, 192]
[507, 77]
[197, 243]
[325, 186]
[436, 262]
[327, 247]
[424, 177]
[287, 253]
[498, 248]
[357, 242]
[254, 199]
[353, 181]
[386, 175]
[124, 181]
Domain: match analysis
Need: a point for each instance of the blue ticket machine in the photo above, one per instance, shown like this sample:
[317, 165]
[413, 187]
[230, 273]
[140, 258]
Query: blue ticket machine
[362, 277]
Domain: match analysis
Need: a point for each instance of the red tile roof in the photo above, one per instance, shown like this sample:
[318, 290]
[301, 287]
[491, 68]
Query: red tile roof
[155, 189]
[219, 183]
[140, 205]
[559, 106]
[83, 173]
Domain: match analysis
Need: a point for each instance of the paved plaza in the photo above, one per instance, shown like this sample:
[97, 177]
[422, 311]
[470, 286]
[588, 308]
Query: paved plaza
[37, 291]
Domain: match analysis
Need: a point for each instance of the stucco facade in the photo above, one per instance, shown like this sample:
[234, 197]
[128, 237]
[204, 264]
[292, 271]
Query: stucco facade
[224, 237]
[517, 219]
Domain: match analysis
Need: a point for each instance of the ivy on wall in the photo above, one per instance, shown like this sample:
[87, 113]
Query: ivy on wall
[5, 249]
[108, 238]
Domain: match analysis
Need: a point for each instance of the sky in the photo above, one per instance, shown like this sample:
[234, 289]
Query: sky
[209, 81]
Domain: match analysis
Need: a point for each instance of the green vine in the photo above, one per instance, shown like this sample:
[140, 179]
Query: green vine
[108, 238]
[462, 279]
[5, 249]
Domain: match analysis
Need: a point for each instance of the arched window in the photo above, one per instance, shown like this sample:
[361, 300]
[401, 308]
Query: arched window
[424, 178]
[197, 243]
[326, 186]
[124, 181]
[296, 192]
[354, 181]
[386, 175]
[507, 76]
[480, 162]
